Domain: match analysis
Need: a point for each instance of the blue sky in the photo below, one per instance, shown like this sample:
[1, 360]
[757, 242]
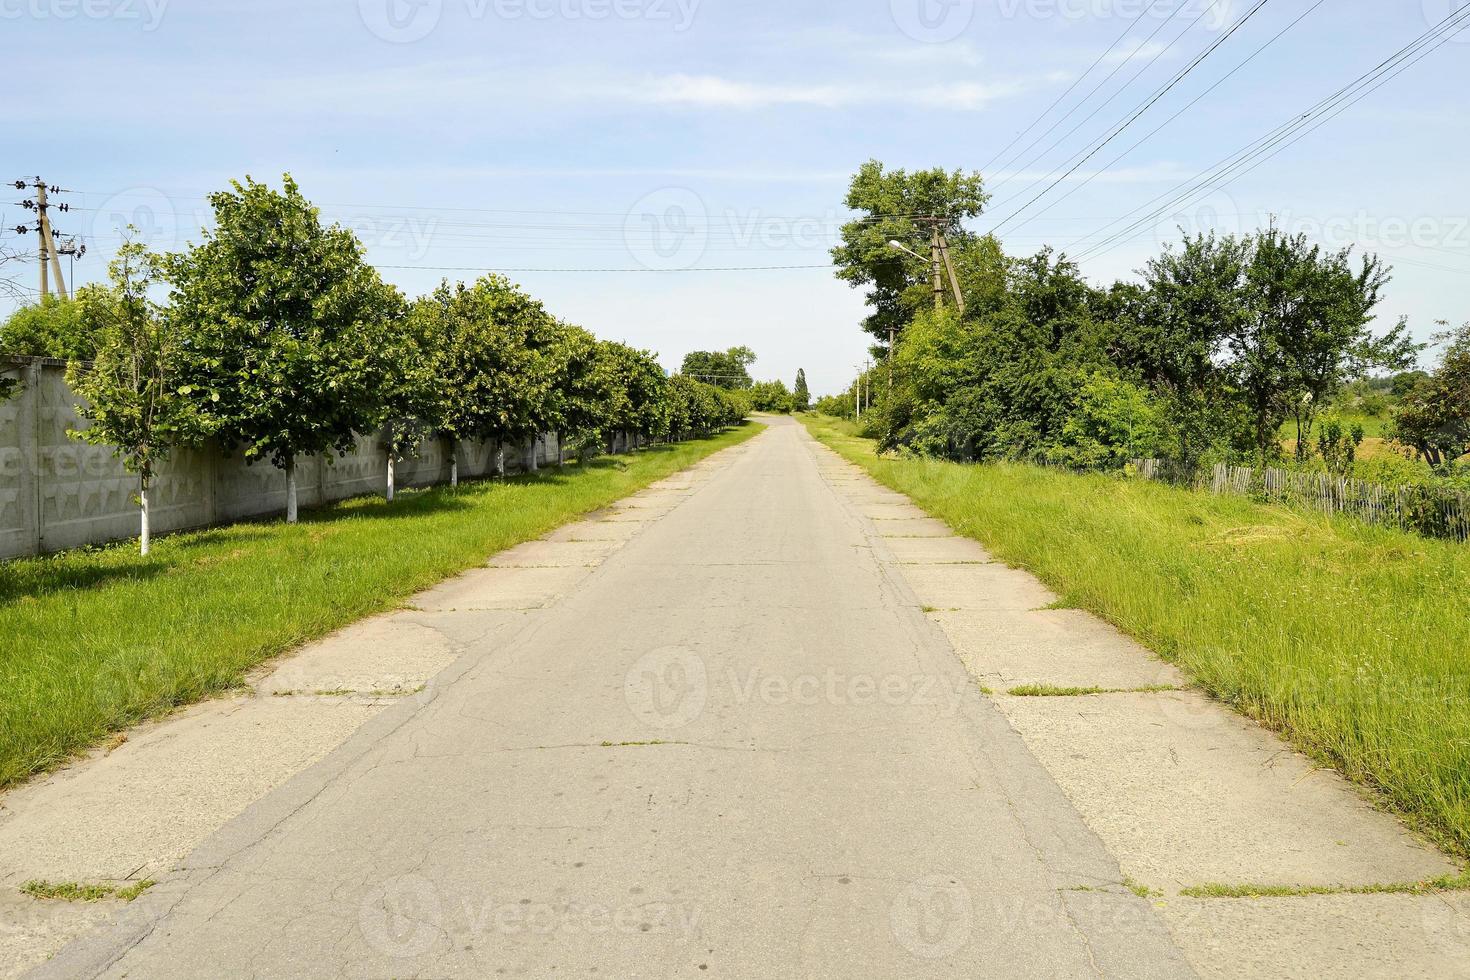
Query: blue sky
[457, 135]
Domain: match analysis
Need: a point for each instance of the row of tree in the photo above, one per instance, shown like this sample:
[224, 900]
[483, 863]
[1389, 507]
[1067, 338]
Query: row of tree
[278, 340]
[1219, 343]
[730, 370]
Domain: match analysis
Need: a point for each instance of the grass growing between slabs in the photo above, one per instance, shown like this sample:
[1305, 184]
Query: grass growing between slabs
[94, 640]
[1352, 641]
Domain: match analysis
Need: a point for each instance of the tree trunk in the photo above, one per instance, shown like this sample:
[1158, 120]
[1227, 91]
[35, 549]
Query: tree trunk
[143, 526]
[291, 490]
[500, 459]
[391, 475]
[561, 452]
[453, 468]
[533, 452]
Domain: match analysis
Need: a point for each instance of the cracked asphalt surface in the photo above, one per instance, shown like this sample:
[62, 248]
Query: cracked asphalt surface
[735, 747]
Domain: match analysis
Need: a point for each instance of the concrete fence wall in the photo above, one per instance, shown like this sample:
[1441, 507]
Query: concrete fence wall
[57, 492]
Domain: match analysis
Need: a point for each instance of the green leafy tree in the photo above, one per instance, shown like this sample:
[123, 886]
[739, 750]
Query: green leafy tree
[135, 403]
[583, 391]
[638, 386]
[1305, 333]
[1114, 421]
[890, 204]
[801, 396]
[494, 365]
[291, 328]
[1434, 419]
[1338, 444]
[61, 328]
[1176, 337]
[771, 396]
[723, 369]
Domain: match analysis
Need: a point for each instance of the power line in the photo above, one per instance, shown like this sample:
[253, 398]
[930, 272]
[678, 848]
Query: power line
[1098, 87]
[1071, 88]
[1189, 105]
[1301, 125]
[734, 268]
[1179, 77]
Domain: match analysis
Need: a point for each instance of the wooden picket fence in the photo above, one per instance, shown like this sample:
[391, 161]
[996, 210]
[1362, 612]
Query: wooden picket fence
[1431, 511]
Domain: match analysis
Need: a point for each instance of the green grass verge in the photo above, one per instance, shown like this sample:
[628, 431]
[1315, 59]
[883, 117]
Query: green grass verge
[94, 640]
[1434, 886]
[1352, 641]
[72, 891]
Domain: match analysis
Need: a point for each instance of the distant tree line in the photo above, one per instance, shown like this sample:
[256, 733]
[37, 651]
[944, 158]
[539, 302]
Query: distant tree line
[730, 370]
[274, 337]
[1220, 343]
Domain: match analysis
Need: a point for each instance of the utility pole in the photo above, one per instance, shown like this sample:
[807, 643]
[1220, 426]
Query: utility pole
[48, 251]
[934, 250]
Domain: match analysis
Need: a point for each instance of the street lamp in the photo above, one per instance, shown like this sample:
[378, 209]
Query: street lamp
[895, 243]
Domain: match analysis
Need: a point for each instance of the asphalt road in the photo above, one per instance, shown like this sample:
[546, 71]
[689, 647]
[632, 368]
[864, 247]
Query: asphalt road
[735, 748]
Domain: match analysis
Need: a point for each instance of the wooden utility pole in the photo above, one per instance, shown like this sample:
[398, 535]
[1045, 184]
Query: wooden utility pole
[934, 250]
[47, 250]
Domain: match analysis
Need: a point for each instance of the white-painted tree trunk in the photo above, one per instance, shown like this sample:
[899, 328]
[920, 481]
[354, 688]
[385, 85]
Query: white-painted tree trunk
[291, 491]
[500, 460]
[392, 474]
[533, 453]
[143, 527]
[453, 467]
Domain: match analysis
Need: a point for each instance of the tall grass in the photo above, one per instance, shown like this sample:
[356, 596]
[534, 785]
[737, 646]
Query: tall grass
[94, 640]
[1352, 641]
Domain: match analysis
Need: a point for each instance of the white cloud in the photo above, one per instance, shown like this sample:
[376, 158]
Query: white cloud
[714, 92]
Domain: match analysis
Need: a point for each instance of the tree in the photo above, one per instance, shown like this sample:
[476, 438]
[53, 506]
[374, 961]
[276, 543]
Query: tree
[723, 369]
[800, 396]
[291, 328]
[771, 396]
[1114, 421]
[891, 205]
[61, 328]
[638, 385]
[1190, 307]
[583, 391]
[134, 402]
[494, 371]
[1434, 418]
[1305, 332]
